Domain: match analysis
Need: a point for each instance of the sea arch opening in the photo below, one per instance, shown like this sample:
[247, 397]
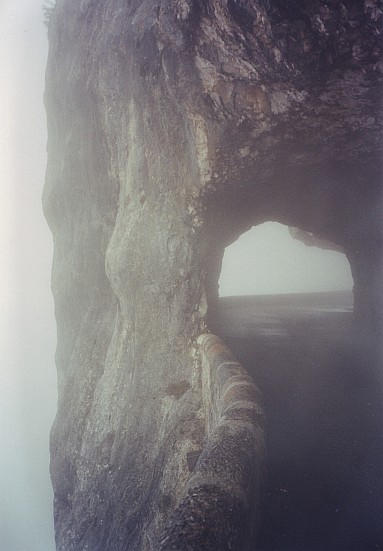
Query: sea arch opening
[271, 258]
[299, 353]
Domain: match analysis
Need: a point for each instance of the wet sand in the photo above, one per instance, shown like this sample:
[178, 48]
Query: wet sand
[322, 386]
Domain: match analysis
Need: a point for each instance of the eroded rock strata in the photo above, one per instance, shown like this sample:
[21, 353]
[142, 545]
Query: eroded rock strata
[174, 126]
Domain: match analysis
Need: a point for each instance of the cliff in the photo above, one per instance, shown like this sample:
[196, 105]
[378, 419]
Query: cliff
[174, 126]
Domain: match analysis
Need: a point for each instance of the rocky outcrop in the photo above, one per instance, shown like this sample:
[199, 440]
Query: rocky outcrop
[220, 508]
[174, 126]
[311, 240]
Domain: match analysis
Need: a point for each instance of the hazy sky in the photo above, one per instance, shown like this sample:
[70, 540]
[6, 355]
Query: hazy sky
[27, 372]
[268, 260]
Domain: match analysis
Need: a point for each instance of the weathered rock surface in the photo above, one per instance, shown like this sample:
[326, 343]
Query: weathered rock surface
[220, 507]
[174, 126]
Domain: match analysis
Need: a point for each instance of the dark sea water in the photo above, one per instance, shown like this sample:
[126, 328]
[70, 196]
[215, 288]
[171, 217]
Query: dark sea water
[322, 386]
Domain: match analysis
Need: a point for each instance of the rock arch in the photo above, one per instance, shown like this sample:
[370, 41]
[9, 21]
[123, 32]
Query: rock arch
[256, 262]
[174, 126]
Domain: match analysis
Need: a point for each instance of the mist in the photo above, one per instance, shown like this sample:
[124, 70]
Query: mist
[268, 260]
[253, 265]
[27, 373]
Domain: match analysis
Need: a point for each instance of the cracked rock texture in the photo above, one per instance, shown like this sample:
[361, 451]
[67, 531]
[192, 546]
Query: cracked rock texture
[220, 507]
[174, 126]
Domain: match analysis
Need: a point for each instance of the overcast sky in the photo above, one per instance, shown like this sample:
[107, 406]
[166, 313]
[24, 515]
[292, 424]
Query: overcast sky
[267, 260]
[27, 373]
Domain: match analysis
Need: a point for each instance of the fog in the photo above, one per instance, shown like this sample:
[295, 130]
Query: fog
[257, 263]
[267, 260]
[27, 372]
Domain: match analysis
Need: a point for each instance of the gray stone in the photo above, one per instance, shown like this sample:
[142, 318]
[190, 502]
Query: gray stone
[174, 126]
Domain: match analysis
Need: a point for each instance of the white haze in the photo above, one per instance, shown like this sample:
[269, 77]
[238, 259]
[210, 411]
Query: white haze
[267, 260]
[27, 373]
[28, 339]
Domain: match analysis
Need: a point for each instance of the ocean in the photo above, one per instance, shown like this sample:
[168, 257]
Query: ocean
[322, 389]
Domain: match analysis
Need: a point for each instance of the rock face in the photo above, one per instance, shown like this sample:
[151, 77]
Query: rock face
[174, 126]
[220, 508]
